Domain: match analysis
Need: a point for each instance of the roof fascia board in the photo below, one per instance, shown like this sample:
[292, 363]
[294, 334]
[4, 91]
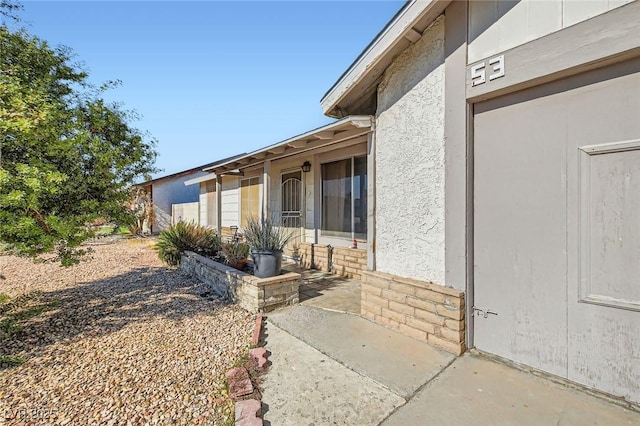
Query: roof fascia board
[343, 136]
[358, 121]
[175, 175]
[401, 24]
[205, 178]
[351, 139]
[182, 173]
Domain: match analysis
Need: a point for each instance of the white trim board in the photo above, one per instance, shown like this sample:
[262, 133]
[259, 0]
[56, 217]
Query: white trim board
[600, 41]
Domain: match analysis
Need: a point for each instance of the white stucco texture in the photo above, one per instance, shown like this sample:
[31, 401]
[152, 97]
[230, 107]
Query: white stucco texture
[172, 191]
[410, 211]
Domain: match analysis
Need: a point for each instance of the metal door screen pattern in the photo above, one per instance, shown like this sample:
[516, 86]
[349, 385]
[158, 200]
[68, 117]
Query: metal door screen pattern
[292, 200]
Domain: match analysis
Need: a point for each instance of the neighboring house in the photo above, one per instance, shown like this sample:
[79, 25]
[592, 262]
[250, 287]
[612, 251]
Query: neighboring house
[503, 181]
[316, 184]
[168, 193]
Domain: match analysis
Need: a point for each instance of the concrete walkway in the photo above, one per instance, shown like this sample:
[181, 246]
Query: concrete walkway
[337, 368]
[397, 362]
[327, 291]
[476, 390]
[306, 387]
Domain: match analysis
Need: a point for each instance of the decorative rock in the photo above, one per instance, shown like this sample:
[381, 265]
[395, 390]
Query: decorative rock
[114, 318]
[239, 382]
[248, 412]
[260, 355]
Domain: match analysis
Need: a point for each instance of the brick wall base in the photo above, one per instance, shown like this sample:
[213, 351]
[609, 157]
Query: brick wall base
[344, 261]
[349, 262]
[422, 310]
[314, 256]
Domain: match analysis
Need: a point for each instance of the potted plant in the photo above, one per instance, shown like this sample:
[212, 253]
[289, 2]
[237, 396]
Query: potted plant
[267, 240]
[236, 254]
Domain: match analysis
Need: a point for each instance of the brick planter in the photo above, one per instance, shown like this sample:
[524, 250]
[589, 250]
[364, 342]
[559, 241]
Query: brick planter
[252, 293]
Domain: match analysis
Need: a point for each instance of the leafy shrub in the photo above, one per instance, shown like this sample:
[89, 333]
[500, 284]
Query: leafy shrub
[186, 236]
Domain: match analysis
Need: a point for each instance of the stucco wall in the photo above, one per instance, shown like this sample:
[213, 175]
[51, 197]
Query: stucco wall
[172, 191]
[410, 214]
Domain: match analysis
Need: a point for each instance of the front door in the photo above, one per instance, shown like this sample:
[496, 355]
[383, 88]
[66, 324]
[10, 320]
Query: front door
[557, 229]
[292, 207]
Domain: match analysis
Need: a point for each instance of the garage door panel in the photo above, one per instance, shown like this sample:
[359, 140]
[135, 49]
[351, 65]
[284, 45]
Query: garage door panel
[604, 320]
[604, 351]
[514, 169]
[604, 232]
[609, 216]
[557, 228]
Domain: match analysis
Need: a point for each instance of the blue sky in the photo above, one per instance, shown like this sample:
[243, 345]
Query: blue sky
[213, 79]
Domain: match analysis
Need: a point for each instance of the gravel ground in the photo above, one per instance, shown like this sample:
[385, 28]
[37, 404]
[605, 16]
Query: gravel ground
[117, 339]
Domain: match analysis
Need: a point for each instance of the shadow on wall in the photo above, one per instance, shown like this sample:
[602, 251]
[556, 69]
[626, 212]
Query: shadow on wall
[162, 220]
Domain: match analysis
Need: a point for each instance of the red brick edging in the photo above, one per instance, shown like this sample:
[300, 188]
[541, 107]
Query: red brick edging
[239, 382]
[260, 356]
[248, 412]
[257, 331]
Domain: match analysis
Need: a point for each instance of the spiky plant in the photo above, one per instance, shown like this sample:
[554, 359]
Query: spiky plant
[182, 236]
[264, 234]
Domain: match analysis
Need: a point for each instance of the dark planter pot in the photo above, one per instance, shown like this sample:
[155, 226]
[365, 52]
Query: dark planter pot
[266, 263]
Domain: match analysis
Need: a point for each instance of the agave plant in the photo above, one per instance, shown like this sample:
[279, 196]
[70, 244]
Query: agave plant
[186, 236]
[264, 234]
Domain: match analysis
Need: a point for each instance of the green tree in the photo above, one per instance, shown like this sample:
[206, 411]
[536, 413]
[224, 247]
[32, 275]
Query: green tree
[67, 156]
[8, 9]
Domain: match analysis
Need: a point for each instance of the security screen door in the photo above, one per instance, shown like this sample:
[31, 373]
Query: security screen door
[292, 207]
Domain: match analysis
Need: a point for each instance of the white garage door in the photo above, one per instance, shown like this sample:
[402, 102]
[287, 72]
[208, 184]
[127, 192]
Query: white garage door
[557, 228]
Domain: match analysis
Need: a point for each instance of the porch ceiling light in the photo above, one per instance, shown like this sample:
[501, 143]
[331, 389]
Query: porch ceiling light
[306, 167]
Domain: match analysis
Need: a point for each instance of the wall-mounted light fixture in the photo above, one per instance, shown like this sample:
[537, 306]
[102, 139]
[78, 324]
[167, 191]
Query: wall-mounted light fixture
[306, 167]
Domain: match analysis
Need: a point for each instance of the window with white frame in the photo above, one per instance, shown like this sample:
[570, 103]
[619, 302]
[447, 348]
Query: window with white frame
[344, 198]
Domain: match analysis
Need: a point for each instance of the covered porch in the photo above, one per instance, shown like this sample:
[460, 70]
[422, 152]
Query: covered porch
[318, 184]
